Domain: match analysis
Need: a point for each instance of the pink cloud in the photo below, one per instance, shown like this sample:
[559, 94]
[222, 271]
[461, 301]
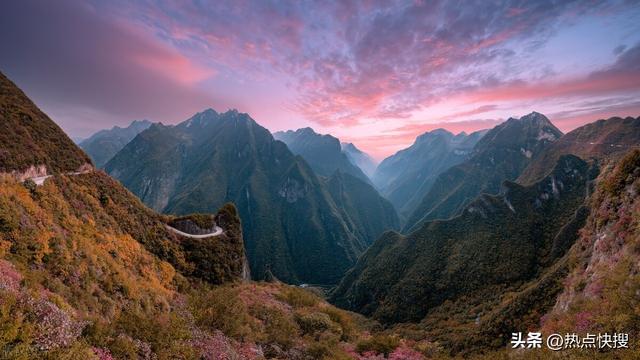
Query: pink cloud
[337, 65]
[174, 65]
[388, 142]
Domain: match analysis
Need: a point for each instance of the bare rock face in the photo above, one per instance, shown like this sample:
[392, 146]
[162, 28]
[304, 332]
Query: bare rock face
[31, 172]
[292, 190]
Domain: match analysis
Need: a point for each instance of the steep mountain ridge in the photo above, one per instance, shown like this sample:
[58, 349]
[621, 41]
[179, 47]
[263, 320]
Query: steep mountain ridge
[603, 277]
[104, 144]
[362, 206]
[406, 177]
[502, 154]
[30, 143]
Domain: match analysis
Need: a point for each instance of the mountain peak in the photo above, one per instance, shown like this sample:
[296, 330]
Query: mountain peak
[200, 118]
[525, 132]
[104, 144]
[305, 131]
[359, 158]
[439, 132]
[537, 118]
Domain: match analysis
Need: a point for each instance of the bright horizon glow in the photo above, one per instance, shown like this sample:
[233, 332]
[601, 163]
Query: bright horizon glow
[377, 76]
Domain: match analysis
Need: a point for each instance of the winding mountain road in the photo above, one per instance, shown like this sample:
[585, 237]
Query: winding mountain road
[218, 232]
[39, 180]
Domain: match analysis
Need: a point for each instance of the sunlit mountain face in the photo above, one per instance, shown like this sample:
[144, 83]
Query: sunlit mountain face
[374, 74]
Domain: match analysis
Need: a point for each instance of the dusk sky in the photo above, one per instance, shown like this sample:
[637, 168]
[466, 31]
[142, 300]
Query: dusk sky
[374, 73]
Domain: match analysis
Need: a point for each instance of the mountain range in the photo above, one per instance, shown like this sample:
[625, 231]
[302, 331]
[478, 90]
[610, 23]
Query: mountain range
[594, 141]
[293, 226]
[498, 240]
[502, 154]
[405, 177]
[502, 262]
[89, 271]
[104, 144]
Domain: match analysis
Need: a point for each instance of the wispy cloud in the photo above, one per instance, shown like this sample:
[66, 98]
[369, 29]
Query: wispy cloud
[364, 67]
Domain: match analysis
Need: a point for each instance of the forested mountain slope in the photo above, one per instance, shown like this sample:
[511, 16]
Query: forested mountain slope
[292, 226]
[502, 154]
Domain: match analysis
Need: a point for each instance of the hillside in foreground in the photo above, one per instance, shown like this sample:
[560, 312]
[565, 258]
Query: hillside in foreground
[86, 271]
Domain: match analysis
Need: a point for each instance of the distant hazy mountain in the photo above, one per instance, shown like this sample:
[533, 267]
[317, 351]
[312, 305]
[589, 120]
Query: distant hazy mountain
[292, 226]
[360, 159]
[322, 152]
[502, 154]
[104, 144]
[29, 140]
[405, 177]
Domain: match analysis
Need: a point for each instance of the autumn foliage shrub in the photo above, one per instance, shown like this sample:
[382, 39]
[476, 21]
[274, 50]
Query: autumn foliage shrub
[220, 309]
[298, 297]
[381, 344]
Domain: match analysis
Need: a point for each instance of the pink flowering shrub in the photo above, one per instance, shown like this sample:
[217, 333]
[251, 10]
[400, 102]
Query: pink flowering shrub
[54, 328]
[9, 277]
[219, 347]
[350, 349]
[103, 354]
[144, 350]
[403, 352]
[583, 321]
